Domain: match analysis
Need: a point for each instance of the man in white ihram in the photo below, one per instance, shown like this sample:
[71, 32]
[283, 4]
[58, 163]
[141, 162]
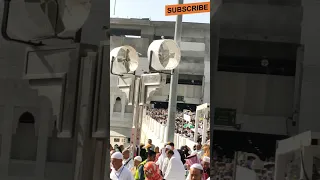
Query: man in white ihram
[119, 172]
[175, 169]
[163, 160]
[127, 161]
[176, 152]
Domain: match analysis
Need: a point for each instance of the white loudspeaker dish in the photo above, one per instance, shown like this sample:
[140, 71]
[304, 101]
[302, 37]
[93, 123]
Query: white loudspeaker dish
[125, 60]
[166, 54]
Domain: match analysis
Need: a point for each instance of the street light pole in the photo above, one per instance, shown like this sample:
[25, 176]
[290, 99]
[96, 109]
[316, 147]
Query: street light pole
[136, 114]
[174, 85]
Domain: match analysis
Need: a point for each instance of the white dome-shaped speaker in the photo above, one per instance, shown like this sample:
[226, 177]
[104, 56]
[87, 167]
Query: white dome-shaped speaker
[125, 60]
[166, 54]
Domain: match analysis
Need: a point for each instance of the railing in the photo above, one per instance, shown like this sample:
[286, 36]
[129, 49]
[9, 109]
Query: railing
[156, 131]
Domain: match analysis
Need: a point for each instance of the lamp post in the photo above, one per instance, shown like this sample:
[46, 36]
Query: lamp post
[163, 55]
[172, 106]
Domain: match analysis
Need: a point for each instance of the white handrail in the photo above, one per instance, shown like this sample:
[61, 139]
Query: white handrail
[149, 125]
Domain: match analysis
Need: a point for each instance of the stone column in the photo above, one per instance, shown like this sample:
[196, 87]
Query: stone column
[307, 154]
[310, 85]
[206, 70]
[6, 139]
[85, 151]
[123, 106]
[211, 72]
[280, 166]
[214, 42]
[297, 93]
[45, 115]
[195, 138]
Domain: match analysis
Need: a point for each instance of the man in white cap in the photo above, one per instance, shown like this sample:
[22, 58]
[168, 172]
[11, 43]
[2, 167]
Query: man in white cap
[136, 161]
[195, 172]
[119, 172]
[206, 167]
[163, 160]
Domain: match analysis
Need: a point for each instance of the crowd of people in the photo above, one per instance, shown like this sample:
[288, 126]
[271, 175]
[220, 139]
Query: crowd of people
[155, 163]
[223, 167]
[182, 126]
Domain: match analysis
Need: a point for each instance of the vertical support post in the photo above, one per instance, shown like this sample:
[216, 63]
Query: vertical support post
[297, 90]
[214, 43]
[204, 131]
[307, 163]
[135, 124]
[45, 116]
[234, 173]
[139, 127]
[99, 159]
[85, 144]
[280, 166]
[6, 140]
[196, 126]
[174, 85]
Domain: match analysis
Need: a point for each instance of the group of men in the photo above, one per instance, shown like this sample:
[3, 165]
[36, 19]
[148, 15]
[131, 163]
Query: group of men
[166, 164]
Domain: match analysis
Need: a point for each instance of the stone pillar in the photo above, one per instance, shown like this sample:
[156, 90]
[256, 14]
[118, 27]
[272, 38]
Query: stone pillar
[214, 42]
[123, 106]
[294, 129]
[196, 126]
[307, 162]
[206, 71]
[310, 85]
[215, 36]
[6, 139]
[85, 151]
[280, 166]
[45, 115]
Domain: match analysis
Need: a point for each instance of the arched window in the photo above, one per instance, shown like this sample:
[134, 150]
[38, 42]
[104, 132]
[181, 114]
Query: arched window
[117, 105]
[26, 118]
[25, 137]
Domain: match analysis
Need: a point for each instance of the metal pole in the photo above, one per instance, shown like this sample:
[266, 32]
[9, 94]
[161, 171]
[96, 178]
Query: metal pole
[196, 125]
[174, 85]
[139, 124]
[204, 131]
[135, 123]
[234, 173]
[114, 7]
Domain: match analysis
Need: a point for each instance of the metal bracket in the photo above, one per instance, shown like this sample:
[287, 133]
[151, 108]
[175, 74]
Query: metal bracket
[150, 84]
[111, 70]
[127, 85]
[151, 69]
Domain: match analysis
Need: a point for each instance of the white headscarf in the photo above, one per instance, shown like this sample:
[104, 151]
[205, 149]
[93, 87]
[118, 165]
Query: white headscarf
[162, 156]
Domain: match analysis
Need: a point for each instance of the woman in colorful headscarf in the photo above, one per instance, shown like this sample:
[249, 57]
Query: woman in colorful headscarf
[206, 150]
[152, 171]
[158, 153]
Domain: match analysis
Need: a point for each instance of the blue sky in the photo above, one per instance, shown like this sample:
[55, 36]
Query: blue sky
[153, 9]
